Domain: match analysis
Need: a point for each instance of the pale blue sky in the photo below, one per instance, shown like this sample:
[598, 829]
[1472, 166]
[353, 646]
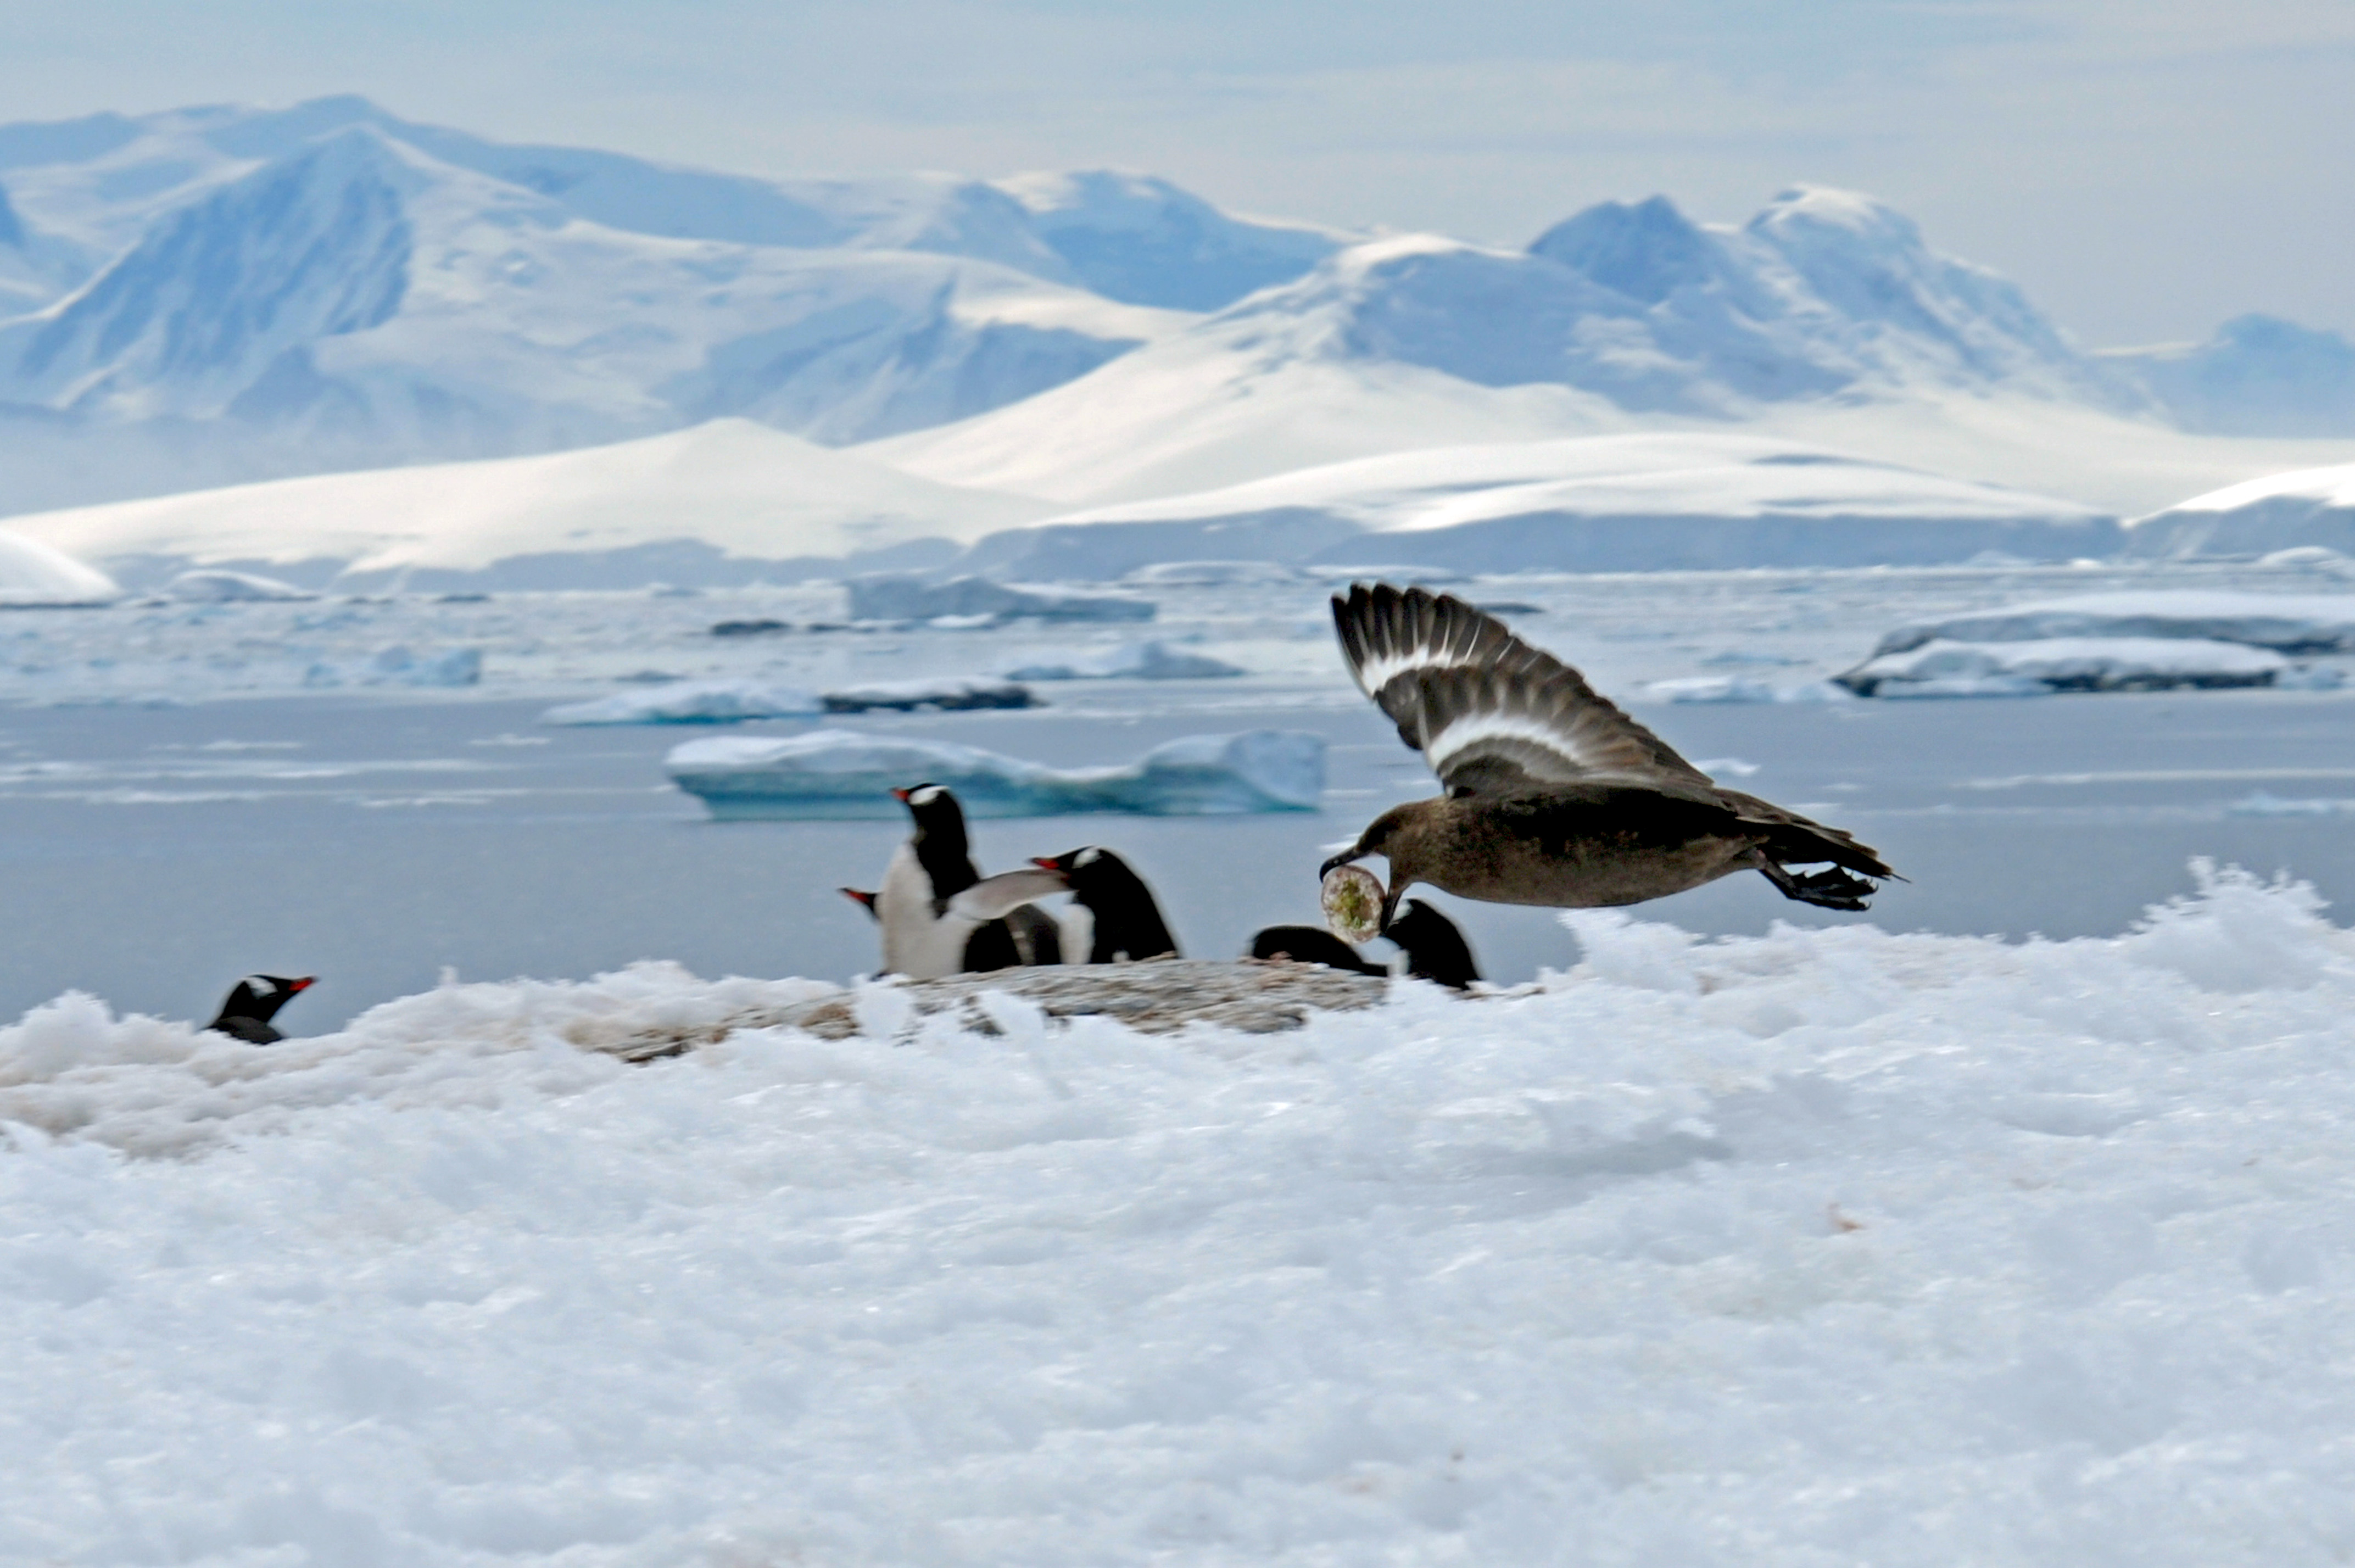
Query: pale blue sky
[2145, 167]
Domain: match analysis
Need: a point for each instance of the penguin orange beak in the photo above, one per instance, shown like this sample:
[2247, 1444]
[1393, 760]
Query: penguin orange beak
[866, 899]
[1045, 862]
[901, 796]
[302, 984]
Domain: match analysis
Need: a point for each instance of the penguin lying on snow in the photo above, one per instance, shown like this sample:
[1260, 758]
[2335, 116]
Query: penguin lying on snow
[1128, 923]
[927, 932]
[1436, 950]
[253, 1002]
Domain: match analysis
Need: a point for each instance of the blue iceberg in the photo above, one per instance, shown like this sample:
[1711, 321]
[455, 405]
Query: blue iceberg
[841, 775]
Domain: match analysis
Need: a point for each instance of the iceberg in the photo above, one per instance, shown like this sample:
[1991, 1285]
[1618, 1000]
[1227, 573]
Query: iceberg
[952, 694]
[897, 597]
[1951, 669]
[214, 587]
[690, 702]
[2286, 623]
[2304, 507]
[840, 774]
[1128, 661]
[36, 576]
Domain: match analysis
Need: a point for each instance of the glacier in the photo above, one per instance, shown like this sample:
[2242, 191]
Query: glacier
[2311, 508]
[841, 775]
[1839, 1245]
[33, 574]
[1620, 502]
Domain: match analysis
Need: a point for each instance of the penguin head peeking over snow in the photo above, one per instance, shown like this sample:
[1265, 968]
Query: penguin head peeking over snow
[253, 1002]
[1128, 923]
[940, 840]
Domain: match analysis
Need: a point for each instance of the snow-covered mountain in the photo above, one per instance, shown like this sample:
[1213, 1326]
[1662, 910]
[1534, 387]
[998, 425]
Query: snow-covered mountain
[1626, 502]
[2259, 375]
[727, 501]
[214, 295]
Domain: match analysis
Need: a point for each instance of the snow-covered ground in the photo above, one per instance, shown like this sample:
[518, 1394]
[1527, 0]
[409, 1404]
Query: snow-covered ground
[1817, 1246]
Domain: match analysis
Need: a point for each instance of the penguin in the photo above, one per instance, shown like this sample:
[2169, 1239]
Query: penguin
[1308, 944]
[1128, 923]
[863, 898]
[918, 899]
[253, 1002]
[1436, 950]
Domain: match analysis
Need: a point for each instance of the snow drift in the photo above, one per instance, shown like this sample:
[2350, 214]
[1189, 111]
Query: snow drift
[1821, 1246]
[843, 774]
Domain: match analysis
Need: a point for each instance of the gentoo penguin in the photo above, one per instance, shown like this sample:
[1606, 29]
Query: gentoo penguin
[933, 867]
[863, 898]
[1128, 923]
[253, 1002]
[1308, 944]
[925, 876]
[1436, 950]
[1554, 796]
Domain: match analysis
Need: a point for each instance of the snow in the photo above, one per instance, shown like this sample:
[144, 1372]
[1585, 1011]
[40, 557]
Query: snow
[1942, 667]
[32, 574]
[2307, 508]
[902, 598]
[1619, 502]
[844, 774]
[1123, 661]
[2290, 623]
[742, 489]
[689, 702]
[1821, 1246]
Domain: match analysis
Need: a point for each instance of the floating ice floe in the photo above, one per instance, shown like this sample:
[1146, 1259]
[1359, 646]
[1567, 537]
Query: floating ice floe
[953, 694]
[1745, 688]
[2263, 803]
[230, 587]
[399, 665]
[34, 576]
[902, 598]
[1949, 669]
[690, 702]
[842, 774]
[2289, 622]
[1129, 661]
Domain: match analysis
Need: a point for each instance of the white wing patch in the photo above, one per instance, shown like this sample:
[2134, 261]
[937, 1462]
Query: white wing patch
[1473, 728]
[1382, 669]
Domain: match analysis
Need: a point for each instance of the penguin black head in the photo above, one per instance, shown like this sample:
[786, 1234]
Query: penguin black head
[1436, 950]
[253, 1002]
[1127, 919]
[940, 837]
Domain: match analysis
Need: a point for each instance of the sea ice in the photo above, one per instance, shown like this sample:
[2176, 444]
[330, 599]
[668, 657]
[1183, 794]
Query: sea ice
[902, 598]
[1128, 661]
[399, 665]
[950, 694]
[1947, 669]
[690, 702]
[843, 774]
[1745, 689]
